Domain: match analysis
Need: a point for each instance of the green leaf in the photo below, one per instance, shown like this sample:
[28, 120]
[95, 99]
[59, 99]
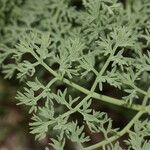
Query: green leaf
[36, 85]
[76, 134]
[105, 45]
[58, 144]
[69, 53]
[111, 78]
[131, 97]
[27, 98]
[39, 127]
[123, 37]
[4, 53]
[61, 98]
[87, 64]
[9, 70]
[119, 60]
[25, 69]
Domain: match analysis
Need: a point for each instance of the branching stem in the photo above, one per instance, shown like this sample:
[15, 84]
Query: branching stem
[103, 69]
[118, 135]
[94, 95]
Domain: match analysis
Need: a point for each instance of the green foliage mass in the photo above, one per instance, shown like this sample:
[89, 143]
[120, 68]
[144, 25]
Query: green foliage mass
[45, 43]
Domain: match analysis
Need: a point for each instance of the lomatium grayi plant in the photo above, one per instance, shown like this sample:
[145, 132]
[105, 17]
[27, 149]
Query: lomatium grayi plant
[65, 53]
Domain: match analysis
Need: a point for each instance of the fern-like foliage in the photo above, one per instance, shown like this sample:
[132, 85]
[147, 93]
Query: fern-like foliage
[102, 43]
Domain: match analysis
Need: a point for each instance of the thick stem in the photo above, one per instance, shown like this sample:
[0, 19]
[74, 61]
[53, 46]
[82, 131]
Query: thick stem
[94, 95]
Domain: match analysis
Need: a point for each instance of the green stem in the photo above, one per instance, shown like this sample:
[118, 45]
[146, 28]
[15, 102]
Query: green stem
[115, 101]
[118, 135]
[76, 108]
[95, 95]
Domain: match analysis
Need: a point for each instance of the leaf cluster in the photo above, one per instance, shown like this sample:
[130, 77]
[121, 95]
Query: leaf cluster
[105, 41]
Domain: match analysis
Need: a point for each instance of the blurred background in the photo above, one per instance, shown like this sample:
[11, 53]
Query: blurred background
[14, 129]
